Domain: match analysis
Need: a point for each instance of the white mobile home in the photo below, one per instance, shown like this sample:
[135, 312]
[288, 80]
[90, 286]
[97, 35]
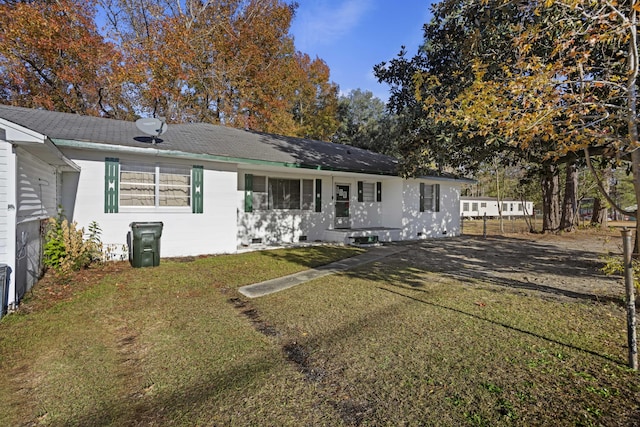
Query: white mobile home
[478, 207]
[215, 189]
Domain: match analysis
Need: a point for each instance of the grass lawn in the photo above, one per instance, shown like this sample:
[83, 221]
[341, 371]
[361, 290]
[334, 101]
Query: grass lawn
[391, 343]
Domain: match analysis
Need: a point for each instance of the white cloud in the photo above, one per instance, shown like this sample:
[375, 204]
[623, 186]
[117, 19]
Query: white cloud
[324, 23]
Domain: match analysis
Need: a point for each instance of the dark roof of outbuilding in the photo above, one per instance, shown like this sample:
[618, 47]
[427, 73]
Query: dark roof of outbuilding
[204, 139]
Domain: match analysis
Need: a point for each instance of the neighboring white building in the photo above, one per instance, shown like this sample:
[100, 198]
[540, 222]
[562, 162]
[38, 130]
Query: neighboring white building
[477, 207]
[215, 189]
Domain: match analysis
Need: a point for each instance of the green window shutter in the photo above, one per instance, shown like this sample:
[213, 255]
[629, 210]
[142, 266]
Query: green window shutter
[422, 197]
[436, 191]
[248, 192]
[318, 195]
[378, 191]
[360, 191]
[197, 189]
[111, 185]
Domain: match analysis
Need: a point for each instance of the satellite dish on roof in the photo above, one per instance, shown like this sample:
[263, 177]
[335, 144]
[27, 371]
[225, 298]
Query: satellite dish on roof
[152, 126]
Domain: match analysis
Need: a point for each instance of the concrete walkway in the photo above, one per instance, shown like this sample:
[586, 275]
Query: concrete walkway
[285, 282]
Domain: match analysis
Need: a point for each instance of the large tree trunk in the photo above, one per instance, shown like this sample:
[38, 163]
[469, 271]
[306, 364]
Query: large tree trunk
[570, 204]
[608, 174]
[600, 216]
[598, 212]
[550, 198]
[632, 124]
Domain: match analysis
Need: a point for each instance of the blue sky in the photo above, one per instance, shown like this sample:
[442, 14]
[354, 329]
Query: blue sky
[351, 36]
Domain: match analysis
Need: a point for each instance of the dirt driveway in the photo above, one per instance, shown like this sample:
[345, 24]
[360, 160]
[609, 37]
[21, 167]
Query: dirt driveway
[561, 267]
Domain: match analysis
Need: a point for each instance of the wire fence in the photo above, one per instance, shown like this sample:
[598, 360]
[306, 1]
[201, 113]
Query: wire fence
[519, 225]
[497, 227]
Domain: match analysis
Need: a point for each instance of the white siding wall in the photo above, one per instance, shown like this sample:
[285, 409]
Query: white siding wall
[28, 191]
[37, 184]
[8, 215]
[417, 225]
[7, 178]
[184, 233]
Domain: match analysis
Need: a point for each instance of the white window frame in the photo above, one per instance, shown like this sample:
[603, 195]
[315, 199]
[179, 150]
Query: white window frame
[368, 192]
[263, 200]
[430, 197]
[157, 170]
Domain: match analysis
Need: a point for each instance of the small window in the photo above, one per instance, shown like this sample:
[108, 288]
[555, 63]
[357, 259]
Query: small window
[511, 207]
[429, 197]
[519, 207]
[465, 207]
[483, 205]
[474, 207]
[504, 207]
[368, 192]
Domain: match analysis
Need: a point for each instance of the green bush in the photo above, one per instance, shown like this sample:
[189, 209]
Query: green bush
[66, 249]
[615, 265]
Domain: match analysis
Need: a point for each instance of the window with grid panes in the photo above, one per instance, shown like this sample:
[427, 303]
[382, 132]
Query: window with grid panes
[159, 186]
[368, 192]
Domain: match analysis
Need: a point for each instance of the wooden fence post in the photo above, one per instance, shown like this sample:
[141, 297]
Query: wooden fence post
[484, 226]
[631, 299]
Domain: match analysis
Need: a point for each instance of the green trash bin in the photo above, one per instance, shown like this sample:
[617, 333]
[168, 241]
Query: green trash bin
[144, 244]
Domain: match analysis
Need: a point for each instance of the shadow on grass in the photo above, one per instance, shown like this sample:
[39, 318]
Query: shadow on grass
[507, 326]
[165, 407]
[497, 260]
[503, 254]
[314, 256]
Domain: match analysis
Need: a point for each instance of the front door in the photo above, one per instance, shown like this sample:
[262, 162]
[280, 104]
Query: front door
[342, 206]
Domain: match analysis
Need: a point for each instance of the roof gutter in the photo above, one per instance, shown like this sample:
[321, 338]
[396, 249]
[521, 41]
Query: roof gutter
[444, 178]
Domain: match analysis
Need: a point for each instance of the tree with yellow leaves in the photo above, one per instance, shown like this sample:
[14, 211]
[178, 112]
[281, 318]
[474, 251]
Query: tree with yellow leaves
[571, 86]
[225, 62]
[52, 56]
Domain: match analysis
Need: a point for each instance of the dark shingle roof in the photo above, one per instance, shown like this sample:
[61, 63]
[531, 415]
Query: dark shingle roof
[202, 138]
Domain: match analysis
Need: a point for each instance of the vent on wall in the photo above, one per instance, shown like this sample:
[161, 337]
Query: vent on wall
[302, 239]
[256, 240]
[364, 240]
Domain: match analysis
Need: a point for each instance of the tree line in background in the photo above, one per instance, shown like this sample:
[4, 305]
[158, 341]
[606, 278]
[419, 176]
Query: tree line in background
[542, 93]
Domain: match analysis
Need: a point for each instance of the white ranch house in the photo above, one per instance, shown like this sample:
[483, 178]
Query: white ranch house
[215, 189]
[477, 207]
